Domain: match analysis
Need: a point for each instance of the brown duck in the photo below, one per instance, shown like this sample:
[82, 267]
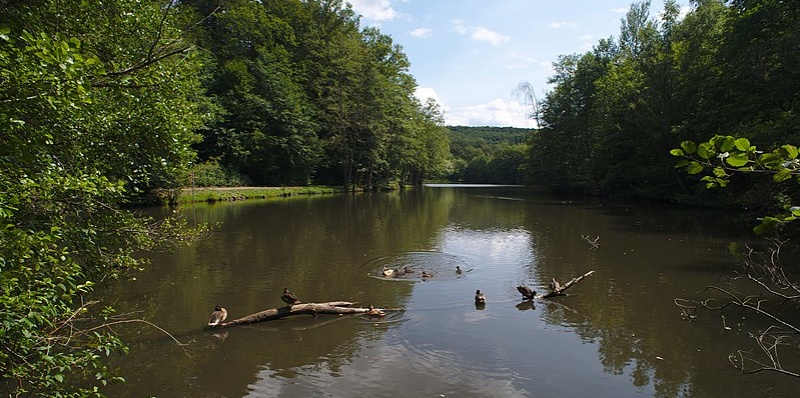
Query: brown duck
[218, 316]
[480, 298]
[288, 297]
[526, 292]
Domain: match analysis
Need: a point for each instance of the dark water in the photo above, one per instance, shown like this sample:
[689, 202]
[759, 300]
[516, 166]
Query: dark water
[619, 335]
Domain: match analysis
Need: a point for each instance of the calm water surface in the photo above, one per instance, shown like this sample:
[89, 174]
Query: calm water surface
[618, 335]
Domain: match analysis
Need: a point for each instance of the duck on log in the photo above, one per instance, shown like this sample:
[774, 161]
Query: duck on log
[557, 289]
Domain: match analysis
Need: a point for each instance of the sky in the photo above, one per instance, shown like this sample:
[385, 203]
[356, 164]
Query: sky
[470, 55]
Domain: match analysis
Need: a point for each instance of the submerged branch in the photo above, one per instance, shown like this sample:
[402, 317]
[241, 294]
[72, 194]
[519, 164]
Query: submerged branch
[332, 307]
[557, 289]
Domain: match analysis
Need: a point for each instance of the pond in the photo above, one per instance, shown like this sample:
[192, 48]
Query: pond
[618, 333]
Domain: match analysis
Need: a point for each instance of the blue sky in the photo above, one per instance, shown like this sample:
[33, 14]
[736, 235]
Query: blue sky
[470, 55]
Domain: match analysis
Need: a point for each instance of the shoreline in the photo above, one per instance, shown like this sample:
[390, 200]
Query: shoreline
[229, 194]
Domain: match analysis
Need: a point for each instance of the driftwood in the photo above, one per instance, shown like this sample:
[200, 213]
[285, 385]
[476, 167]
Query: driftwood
[557, 289]
[332, 307]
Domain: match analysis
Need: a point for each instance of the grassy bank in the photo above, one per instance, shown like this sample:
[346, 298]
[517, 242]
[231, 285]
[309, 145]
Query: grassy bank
[215, 194]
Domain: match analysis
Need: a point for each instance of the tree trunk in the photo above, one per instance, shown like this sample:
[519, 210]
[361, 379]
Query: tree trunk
[333, 307]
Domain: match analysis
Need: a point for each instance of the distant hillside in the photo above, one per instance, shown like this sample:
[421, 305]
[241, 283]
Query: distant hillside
[488, 154]
[489, 134]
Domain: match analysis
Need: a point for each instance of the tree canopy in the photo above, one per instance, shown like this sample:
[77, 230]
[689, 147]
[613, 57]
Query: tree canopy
[615, 112]
[305, 95]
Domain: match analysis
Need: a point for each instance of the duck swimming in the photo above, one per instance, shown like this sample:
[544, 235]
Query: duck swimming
[480, 298]
[458, 270]
[218, 316]
[288, 297]
[374, 311]
[426, 275]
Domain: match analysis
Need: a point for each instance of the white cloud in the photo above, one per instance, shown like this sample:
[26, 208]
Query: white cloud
[495, 113]
[421, 32]
[684, 11]
[482, 34]
[423, 93]
[620, 10]
[515, 61]
[376, 10]
[587, 42]
[479, 33]
[458, 25]
[557, 25]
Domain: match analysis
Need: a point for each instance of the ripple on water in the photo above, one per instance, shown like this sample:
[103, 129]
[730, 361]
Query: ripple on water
[438, 264]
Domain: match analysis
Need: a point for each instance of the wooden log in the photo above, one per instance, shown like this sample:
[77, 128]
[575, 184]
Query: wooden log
[558, 289]
[332, 307]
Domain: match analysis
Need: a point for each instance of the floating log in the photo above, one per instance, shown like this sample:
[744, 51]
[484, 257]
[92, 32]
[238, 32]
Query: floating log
[557, 289]
[332, 307]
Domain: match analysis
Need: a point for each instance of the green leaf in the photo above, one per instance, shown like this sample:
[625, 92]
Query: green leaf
[677, 152]
[782, 175]
[694, 168]
[737, 160]
[727, 144]
[689, 147]
[681, 163]
[791, 151]
[720, 172]
[743, 144]
[767, 224]
[769, 159]
[705, 150]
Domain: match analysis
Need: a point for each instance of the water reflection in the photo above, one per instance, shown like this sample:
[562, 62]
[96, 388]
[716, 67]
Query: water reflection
[618, 333]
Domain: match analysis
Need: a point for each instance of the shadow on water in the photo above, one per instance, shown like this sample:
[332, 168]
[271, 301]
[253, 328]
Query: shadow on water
[618, 334]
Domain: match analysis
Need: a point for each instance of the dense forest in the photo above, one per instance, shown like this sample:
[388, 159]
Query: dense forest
[615, 112]
[486, 154]
[301, 94]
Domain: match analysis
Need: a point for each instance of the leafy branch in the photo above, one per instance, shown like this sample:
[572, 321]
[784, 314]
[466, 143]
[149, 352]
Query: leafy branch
[721, 157]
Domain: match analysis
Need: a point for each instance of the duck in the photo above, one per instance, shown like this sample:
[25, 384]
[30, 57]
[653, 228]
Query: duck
[527, 293]
[288, 297]
[407, 270]
[388, 272]
[480, 298]
[218, 316]
[426, 275]
[374, 311]
[458, 270]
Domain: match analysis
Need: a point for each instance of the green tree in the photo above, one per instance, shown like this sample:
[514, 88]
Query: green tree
[759, 61]
[266, 128]
[306, 94]
[563, 152]
[84, 125]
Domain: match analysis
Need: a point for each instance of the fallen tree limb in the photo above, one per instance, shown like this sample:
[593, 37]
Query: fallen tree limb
[557, 289]
[332, 307]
